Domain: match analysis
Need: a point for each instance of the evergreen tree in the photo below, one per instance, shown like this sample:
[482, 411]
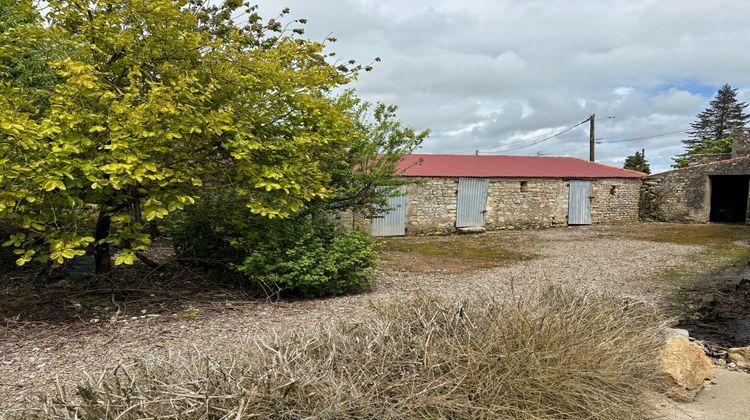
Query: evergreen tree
[721, 119]
[637, 162]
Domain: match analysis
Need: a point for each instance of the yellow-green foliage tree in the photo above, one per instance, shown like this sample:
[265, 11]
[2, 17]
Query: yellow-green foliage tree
[157, 101]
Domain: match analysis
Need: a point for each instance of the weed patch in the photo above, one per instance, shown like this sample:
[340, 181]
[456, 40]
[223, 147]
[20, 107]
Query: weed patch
[454, 253]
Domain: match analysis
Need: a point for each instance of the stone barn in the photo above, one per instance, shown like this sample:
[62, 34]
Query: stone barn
[450, 193]
[713, 188]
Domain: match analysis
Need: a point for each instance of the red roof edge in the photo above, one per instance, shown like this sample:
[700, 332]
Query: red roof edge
[499, 166]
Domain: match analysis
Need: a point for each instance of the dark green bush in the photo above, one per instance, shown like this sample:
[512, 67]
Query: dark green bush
[307, 254]
[316, 260]
[207, 233]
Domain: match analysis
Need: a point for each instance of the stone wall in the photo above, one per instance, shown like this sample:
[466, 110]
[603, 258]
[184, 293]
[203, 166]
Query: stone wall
[704, 158]
[538, 203]
[741, 145]
[431, 206]
[517, 203]
[615, 200]
[354, 220]
[684, 195]
[511, 204]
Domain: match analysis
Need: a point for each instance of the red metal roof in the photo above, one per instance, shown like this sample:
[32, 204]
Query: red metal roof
[417, 165]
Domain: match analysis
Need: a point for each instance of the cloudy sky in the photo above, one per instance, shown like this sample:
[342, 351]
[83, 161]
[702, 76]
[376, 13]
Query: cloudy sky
[499, 76]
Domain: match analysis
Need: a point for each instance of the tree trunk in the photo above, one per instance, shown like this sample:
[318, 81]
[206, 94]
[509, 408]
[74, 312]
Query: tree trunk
[102, 254]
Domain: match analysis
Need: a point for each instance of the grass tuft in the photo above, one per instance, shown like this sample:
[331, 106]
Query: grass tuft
[556, 354]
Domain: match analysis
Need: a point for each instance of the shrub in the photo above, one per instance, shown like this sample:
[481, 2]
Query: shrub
[556, 355]
[204, 233]
[321, 261]
[307, 255]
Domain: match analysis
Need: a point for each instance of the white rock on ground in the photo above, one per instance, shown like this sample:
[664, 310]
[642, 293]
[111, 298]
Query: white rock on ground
[678, 332]
[740, 356]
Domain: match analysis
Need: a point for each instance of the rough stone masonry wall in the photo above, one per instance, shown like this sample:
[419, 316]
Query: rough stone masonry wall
[684, 195]
[543, 202]
[539, 203]
[704, 158]
[615, 200]
[741, 145]
[431, 206]
[354, 220]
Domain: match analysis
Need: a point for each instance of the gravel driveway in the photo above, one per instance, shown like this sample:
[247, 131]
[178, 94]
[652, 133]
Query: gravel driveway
[594, 258]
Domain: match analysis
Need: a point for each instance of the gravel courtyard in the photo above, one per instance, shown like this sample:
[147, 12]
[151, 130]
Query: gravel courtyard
[645, 262]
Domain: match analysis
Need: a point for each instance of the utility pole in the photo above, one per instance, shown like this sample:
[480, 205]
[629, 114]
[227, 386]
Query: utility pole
[592, 137]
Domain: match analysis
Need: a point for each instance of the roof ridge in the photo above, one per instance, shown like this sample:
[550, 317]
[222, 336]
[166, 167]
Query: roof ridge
[609, 166]
[504, 166]
[702, 164]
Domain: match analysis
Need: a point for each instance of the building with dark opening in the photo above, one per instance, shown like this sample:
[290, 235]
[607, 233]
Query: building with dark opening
[714, 189]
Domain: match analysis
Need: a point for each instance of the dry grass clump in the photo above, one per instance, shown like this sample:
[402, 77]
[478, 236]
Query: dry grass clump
[554, 355]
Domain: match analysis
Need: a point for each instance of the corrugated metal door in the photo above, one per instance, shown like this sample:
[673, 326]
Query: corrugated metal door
[472, 202]
[579, 203]
[392, 223]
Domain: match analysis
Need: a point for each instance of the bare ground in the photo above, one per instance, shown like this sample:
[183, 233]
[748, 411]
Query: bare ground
[645, 262]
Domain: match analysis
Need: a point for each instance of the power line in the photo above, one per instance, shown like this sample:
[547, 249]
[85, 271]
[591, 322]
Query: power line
[561, 152]
[533, 140]
[539, 141]
[643, 137]
[509, 144]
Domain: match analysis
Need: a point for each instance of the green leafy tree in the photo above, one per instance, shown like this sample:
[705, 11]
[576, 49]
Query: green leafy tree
[23, 55]
[308, 253]
[156, 102]
[638, 162]
[365, 173]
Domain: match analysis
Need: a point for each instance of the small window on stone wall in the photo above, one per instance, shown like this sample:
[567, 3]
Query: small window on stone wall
[613, 190]
[524, 186]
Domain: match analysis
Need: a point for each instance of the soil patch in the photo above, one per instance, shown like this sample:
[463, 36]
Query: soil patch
[129, 291]
[723, 320]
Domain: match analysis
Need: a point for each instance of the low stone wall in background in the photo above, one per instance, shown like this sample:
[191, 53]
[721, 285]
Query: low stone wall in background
[705, 158]
[684, 195]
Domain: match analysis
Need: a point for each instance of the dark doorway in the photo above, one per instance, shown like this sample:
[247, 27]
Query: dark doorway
[729, 198]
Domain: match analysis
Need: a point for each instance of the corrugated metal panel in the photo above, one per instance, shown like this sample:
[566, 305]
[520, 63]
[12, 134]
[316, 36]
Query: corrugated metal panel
[508, 167]
[392, 223]
[579, 202]
[472, 202]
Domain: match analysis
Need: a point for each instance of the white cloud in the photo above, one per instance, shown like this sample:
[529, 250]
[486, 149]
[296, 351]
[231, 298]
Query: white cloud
[677, 102]
[486, 74]
[623, 91]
